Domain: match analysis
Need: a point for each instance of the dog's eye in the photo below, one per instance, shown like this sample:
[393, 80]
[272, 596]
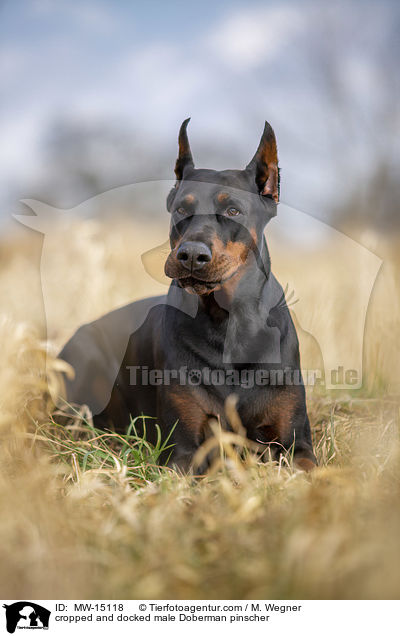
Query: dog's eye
[232, 212]
[181, 211]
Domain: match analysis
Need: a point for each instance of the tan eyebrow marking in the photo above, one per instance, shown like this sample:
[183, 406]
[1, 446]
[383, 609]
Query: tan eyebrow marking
[189, 198]
[222, 196]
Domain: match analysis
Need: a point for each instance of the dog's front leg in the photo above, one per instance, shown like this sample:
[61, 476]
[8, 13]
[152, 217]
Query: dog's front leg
[181, 409]
[305, 460]
[285, 425]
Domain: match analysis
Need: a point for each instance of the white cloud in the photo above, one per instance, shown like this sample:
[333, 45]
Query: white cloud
[253, 36]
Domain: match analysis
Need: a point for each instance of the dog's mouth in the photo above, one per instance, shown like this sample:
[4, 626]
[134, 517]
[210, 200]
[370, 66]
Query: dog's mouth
[203, 281]
[196, 285]
[192, 281]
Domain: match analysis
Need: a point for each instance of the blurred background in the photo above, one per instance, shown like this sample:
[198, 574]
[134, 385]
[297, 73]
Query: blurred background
[93, 93]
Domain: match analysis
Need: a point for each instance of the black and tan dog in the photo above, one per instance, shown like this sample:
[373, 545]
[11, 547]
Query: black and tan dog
[224, 326]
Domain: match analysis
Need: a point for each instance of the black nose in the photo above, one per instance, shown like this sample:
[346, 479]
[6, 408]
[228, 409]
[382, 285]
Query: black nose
[193, 255]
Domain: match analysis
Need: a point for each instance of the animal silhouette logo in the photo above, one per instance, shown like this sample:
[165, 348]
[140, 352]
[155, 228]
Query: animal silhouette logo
[26, 615]
[352, 284]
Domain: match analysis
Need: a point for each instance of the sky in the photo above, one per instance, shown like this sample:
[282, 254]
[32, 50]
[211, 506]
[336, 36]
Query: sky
[313, 69]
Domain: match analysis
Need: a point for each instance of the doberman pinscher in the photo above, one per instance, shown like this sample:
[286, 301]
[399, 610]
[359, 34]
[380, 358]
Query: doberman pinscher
[224, 326]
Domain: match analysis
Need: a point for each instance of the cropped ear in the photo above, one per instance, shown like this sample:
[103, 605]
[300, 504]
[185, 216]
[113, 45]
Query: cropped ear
[185, 154]
[264, 165]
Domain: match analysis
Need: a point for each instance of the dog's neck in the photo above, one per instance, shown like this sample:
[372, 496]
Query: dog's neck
[245, 306]
[245, 289]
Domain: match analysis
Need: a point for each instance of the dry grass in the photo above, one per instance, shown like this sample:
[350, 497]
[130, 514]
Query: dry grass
[88, 516]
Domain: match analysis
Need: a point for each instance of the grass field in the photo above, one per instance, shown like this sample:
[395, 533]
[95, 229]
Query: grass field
[86, 514]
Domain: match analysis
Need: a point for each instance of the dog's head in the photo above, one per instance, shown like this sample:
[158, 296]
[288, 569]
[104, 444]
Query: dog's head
[218, 217]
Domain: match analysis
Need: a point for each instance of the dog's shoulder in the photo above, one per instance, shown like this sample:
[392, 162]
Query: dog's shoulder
[96, 351]
[110, 333]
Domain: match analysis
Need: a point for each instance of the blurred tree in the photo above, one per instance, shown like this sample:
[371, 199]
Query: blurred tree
[83, 160]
